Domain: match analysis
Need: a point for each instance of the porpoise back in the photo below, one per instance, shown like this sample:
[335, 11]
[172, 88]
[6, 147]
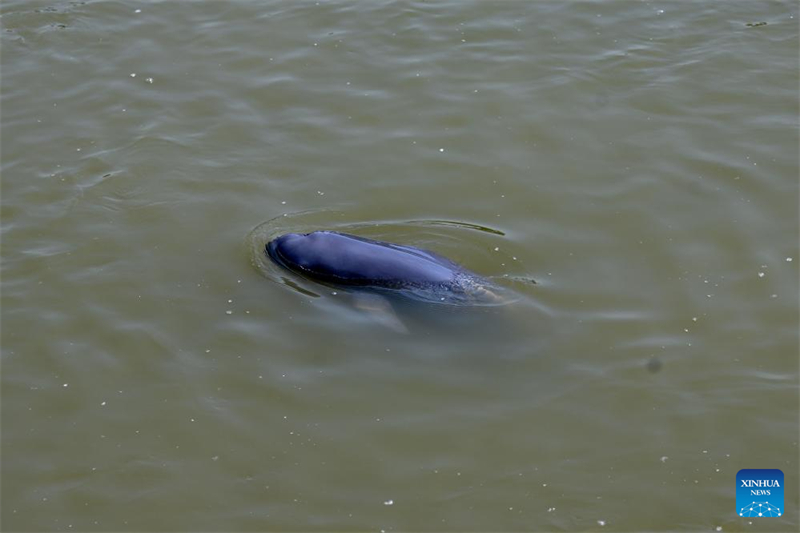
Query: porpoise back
[344, 259]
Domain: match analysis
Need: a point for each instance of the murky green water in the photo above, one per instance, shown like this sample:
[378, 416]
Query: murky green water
[639, 160]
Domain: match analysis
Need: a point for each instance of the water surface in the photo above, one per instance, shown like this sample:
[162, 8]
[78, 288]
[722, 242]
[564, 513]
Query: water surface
[638, 160]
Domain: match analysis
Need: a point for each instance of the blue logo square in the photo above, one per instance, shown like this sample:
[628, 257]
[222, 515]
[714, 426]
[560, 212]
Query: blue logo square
[759, 492]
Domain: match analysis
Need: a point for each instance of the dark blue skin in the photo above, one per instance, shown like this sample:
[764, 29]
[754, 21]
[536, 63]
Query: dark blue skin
[346, 260]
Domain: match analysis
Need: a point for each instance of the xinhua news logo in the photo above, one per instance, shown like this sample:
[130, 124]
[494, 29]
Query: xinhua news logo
[759, 492]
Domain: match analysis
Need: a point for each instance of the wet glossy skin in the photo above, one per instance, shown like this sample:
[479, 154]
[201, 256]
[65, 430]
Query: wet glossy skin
[349, 260]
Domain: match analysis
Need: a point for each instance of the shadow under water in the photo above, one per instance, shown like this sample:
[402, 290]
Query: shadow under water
[407, 310]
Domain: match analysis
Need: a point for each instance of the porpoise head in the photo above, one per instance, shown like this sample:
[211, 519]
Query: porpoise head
[295, 250]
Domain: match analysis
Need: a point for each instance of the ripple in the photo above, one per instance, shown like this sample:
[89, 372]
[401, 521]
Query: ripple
[435, 234]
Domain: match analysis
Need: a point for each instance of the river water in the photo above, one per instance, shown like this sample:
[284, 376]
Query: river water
[627, 170]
